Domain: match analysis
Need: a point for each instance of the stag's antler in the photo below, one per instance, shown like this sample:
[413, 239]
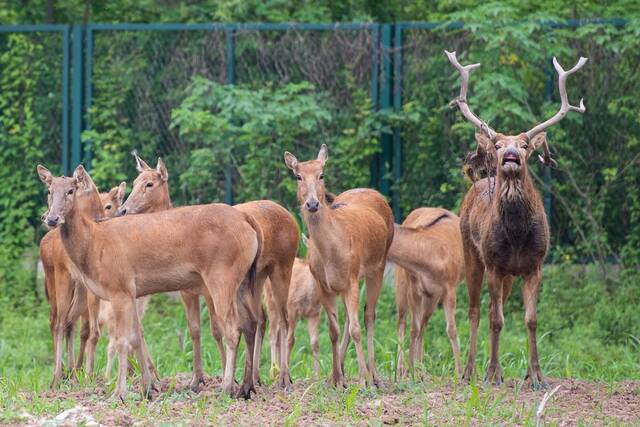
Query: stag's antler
[565, 107]
[461, 100]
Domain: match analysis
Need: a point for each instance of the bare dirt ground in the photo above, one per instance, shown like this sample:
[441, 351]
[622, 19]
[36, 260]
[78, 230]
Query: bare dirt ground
[432, 402]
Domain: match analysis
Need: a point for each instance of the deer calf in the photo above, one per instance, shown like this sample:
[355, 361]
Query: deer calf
[66, 295]
[349, 240]
[427, 251]
[504, 226]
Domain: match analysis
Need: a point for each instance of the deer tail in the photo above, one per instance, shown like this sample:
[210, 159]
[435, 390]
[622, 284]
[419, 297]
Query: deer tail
[253, 271]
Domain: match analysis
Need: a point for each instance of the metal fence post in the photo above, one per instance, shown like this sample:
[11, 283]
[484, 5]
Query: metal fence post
[231, 79]
[397, 107]
[375, 74]
[66, 170]
[386, 83]
[88, 92]
[76, 96]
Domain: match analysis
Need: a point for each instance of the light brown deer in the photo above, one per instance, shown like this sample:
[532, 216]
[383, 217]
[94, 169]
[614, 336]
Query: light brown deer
[68, 297]
[137, 255]
[427, 250]
[504, 226]
[349, 240]
[280, 243]
[303, 303]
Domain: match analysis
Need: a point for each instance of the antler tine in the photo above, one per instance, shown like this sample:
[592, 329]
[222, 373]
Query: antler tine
[461, 100]
[565, 107]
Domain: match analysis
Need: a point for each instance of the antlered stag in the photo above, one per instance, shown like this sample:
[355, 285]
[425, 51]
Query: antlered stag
[124, 258]
[279, 230]
[427, 250]
[349, 238]
[66, 295]
[504, 226]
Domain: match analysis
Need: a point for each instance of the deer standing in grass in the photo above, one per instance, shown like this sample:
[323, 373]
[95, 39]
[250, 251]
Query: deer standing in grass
[427, 250]
[66, 295]
[279, 229]
[504, 226]
[303, 302]
[124, 258]
[349, 240]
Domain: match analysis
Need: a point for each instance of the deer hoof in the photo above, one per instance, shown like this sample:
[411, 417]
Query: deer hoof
[245, 391]
[494, 376]
[195, 383]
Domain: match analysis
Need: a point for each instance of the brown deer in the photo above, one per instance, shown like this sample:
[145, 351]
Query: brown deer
[349, 240]
[427, 250]
[66, 296]
[280, 243]
[137, 255]
[504, 226]
[303, 302]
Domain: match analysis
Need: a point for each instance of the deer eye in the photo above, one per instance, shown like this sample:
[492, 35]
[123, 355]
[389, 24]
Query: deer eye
[298, 177]
[108, 207]
[321, 176]
[70, 192]
[497, 146]
[149, 184]
[525, 146]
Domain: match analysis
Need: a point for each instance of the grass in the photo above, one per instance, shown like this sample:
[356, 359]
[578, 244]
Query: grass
[575, 310]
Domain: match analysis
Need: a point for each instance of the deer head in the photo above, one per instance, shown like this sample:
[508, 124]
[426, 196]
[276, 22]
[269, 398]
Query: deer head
[310, 176]
[150, 189]
[112, 200]
[64, 191]
[510, 153]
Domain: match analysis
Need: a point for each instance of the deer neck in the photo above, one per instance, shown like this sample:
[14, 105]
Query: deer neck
[78, 233]
[164, 204]
[324, 231]
[514, 203]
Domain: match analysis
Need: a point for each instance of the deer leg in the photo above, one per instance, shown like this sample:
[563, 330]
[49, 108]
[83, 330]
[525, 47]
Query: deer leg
[329, 303]
[84, 337]
[111, 351]
[69, 332]
[257, 352]
[191, 302]
[374, 286]
[346, 339]
[124, 314]
[352, 302]
[214, 325]
[291, 336]
[250, 332]
[313, 325]
[275, 344]
[58, 339]
[449, 306]
[402, 305]
[93, 310]
[232, 339]
[530, 297]
[147, 356]
[496, 321]
[280, 280]
[474, 271]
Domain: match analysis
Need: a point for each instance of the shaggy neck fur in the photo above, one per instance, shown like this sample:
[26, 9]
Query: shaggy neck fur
[514, 206]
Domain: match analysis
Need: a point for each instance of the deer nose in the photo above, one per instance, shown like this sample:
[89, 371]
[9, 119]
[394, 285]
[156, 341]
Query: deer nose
[312, 205]
[122, 210]
[52, 220]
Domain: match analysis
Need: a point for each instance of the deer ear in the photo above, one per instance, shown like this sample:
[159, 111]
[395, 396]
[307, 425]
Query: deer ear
[290, 160]
[83, 179]
[483, 141]
[141, 165]
[538, 141]
[323, 154]
[162, 170]
[120, 192]
[44, 174]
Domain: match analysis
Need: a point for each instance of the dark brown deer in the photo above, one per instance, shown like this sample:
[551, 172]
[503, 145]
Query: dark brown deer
[349, 240]
[279, 229]
[67, 296]
[427, 250]
[504, 226]
[132, 256]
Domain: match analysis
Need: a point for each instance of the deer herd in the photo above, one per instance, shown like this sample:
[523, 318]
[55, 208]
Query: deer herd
[105, 256]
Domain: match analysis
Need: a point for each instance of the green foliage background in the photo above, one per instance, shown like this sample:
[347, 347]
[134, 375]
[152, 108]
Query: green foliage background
[163, 94]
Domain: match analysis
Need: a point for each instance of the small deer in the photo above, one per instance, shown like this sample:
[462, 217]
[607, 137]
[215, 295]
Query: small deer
[303, 302]
[349, 240]
[67, 296]
[427, 250]
[279, 229]
[132, 256]
[504, 226]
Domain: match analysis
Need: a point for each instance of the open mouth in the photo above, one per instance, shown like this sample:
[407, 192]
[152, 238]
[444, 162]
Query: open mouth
[510, 159]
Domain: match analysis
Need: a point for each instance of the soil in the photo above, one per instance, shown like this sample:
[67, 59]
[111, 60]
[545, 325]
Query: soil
[434, 401]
